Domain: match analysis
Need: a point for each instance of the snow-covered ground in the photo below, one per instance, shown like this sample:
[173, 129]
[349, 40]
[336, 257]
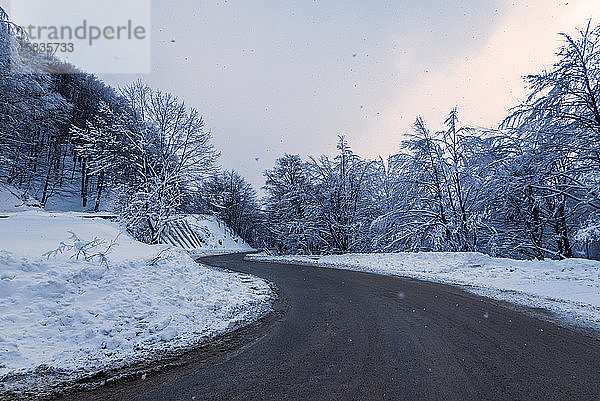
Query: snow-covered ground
[569, 288]
[63, 317]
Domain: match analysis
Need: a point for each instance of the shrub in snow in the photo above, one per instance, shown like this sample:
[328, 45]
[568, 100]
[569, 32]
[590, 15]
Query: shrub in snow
[589, 233]
[96, 249]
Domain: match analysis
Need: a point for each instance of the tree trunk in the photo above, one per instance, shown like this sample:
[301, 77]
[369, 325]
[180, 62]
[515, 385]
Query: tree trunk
[84, 182]
[99, 193]
[563, 232]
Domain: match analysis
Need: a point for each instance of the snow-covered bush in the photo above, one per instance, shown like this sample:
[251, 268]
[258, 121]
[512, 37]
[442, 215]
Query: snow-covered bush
[96, 249]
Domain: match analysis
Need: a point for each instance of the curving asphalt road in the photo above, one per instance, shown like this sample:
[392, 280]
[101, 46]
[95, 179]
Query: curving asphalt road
[342, 335]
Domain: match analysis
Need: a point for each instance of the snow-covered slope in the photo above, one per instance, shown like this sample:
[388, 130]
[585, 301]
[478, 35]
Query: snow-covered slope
[570, 288]
[12, 200]
[94, 306]
[200, 233]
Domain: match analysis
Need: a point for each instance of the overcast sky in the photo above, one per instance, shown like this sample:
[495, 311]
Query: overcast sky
[275, 77]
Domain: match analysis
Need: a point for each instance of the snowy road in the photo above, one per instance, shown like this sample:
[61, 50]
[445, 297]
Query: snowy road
[356, 336]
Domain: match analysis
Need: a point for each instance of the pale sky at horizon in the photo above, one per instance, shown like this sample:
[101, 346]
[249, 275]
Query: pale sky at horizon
[288, 77]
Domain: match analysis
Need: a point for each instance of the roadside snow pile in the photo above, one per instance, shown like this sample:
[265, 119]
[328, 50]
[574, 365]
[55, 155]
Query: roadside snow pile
[63, 318]
[570, 288]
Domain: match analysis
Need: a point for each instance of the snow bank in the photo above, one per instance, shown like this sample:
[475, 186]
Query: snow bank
[570, 288]
[63, 318]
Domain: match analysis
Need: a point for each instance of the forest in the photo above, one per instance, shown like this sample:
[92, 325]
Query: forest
[529, 188]
[139, 152]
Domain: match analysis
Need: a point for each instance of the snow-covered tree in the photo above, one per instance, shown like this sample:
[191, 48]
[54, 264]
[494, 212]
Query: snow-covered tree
[287, 206]
[234, 201]
[173, 154]
[558, 131]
